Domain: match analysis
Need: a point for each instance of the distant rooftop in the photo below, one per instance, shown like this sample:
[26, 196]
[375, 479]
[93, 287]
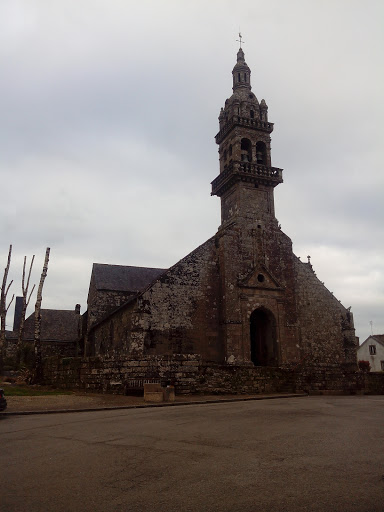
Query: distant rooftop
[124, 278]
[56, 325]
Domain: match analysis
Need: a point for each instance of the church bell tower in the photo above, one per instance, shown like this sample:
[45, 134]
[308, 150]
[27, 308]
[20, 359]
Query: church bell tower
[255, 257]
[247, 179]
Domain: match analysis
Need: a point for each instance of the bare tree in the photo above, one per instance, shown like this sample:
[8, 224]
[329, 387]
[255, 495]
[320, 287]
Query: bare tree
[3, 305]
[37, 342]
[26, 299]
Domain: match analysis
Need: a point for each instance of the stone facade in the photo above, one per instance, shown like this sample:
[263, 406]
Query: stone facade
[242, 298]
[113, 285]
[178, 313]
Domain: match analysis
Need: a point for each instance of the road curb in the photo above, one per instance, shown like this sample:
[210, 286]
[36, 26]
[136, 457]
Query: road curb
[145, 406]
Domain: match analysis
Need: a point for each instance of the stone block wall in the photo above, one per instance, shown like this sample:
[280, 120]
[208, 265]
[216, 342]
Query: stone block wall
[102, 302]
[114, 375]
[224, 379]
[190, 375]
[187, 372]
[337, 380]
[177, 314]
[327, 334]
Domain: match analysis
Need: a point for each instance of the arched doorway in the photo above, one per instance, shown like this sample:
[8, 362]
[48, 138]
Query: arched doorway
[263, 338]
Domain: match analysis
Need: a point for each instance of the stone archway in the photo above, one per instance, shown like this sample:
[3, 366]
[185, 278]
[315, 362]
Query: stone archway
[264, 350]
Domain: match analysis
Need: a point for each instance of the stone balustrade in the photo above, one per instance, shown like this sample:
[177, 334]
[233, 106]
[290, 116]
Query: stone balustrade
[243, 121]
[247, 171]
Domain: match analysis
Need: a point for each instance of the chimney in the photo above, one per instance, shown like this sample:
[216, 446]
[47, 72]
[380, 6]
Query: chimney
[17, 314]
[77, 309]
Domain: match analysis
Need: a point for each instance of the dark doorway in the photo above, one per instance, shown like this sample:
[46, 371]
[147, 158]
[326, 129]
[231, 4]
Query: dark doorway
[263, 338]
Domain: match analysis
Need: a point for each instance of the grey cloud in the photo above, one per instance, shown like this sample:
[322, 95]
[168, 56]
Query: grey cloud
[108, 118]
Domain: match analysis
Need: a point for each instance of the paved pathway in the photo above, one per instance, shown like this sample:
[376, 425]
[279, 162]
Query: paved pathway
[313, 454]
[93, 401]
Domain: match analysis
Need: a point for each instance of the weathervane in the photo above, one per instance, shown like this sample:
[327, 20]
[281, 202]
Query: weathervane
[240, 39]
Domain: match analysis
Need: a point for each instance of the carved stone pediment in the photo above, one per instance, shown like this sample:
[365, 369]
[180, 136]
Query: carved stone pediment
[261, 278]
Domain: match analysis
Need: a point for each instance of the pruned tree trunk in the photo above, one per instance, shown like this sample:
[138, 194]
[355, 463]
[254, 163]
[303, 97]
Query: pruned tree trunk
[26, 300]
[4, 307]
[37, 342]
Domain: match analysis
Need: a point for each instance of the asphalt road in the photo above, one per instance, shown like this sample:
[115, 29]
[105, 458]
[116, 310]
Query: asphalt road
[302, 454]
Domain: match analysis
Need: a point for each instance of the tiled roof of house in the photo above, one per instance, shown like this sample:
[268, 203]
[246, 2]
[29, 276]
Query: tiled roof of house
[379, 338]
[123, 278]
[56, 325]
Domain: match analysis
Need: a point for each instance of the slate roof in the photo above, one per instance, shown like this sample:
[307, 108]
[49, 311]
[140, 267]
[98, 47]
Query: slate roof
[377, 337]
[123, 278]
[56, 325]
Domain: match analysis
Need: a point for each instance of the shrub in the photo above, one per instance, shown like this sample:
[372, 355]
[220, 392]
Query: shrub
[364, 366]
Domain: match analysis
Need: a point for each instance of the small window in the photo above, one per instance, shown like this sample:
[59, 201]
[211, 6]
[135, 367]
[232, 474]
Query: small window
[245, 77]
[261, 278]
[238, 76]
[372, 350]
[252, 114]
[382, 366]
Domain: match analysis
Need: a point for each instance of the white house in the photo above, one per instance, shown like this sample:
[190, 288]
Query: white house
[372, 350]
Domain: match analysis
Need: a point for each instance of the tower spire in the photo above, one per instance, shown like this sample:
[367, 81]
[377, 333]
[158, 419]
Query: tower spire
[241, 72]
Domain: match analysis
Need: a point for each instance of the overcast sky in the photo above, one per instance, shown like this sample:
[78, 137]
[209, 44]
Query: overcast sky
[108, 111]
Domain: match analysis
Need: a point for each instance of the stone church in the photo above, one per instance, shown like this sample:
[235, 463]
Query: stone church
[241, 299]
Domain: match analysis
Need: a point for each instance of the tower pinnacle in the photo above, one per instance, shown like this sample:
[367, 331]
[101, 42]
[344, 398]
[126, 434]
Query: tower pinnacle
[241, 73]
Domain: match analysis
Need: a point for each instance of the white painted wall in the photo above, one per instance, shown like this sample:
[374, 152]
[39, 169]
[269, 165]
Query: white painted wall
[364, 355]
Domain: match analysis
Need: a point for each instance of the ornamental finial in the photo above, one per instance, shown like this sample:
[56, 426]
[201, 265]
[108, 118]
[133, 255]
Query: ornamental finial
[240, 40]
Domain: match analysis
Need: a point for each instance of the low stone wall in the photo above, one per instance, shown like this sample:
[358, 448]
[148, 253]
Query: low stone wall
[190, 375]
[374, 383]
[224, 379]
[187, 372]
[115, 376]
[323, 380]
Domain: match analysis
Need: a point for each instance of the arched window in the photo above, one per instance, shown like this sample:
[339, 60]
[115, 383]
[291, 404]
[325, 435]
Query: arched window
[252, 114]
[246, 150]
[261, 153]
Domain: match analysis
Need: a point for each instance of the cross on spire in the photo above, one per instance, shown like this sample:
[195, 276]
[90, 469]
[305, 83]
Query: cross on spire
[240, 39]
